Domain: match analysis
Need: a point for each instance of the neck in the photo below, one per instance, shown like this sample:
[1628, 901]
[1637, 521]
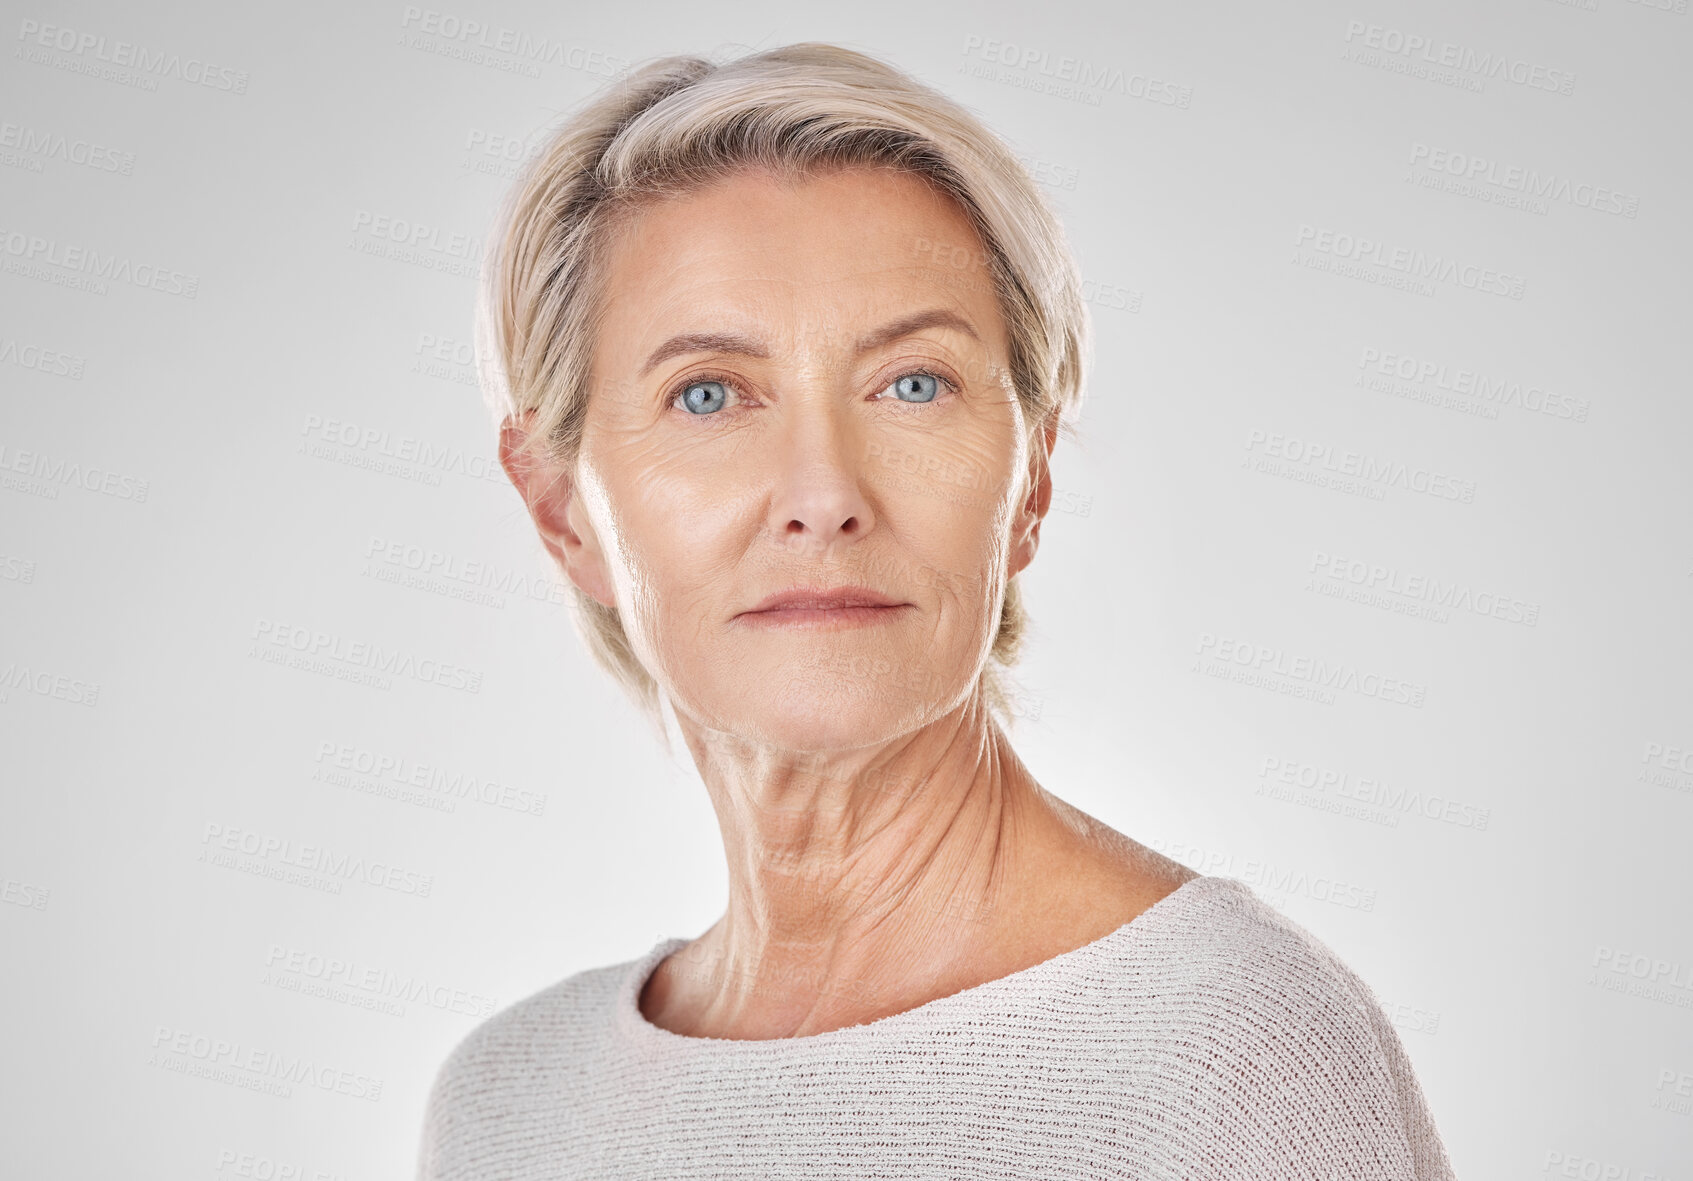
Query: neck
[860, 879]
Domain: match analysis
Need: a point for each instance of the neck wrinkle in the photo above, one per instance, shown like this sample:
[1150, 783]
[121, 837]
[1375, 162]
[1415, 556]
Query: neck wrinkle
[868, 889]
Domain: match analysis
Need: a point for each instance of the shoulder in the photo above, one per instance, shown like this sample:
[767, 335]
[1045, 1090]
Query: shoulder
[516, 1060]
[1230, 938]
[571, 1006]
[1284, 1038]
[1232, 958]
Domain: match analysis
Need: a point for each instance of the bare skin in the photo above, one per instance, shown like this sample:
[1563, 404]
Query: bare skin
[885, 845]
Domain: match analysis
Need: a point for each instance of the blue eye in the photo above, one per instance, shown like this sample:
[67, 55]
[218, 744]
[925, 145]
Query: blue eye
[704, 397]
[916, 387]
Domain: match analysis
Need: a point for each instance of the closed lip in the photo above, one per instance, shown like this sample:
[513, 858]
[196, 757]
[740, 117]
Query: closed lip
[826, 599]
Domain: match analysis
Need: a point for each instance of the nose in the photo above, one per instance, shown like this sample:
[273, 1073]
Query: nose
[818, 497]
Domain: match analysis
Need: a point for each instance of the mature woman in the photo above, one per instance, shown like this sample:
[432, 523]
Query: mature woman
[783, 347]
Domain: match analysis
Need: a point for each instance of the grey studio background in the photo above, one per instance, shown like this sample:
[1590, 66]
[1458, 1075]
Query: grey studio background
[1369, 582]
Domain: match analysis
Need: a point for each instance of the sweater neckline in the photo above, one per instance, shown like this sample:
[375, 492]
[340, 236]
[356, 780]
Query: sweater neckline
[628, 1013]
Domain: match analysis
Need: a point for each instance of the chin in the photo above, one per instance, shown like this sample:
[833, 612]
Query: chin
[823, 722]
[839, 710]
[818, 711]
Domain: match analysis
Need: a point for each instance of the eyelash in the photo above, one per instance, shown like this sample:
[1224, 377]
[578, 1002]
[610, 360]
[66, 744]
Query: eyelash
[682, 387]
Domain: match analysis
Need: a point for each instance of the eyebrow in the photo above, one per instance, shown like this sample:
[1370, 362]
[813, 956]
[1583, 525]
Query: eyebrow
[745, 346]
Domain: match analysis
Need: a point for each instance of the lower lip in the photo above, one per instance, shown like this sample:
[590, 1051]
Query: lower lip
[828, 618]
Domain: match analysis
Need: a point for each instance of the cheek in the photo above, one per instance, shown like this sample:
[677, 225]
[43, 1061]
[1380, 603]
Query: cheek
[948, 501]
[676, 533]
[952, 546]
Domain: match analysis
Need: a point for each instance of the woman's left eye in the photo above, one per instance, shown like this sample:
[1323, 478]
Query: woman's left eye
[917, 387]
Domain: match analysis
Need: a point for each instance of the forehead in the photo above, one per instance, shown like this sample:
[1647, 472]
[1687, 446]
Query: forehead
[844, 243]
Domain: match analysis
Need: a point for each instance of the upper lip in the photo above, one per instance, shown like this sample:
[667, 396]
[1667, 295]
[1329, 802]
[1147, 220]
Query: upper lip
[825, 599]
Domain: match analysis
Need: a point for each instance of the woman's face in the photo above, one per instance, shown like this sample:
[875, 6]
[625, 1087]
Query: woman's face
[805, 387]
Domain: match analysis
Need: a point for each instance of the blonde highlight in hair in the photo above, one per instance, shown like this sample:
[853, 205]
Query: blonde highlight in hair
[677, 124]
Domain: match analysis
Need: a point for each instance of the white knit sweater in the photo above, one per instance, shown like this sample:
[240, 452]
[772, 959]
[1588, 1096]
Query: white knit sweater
[1209, 1038]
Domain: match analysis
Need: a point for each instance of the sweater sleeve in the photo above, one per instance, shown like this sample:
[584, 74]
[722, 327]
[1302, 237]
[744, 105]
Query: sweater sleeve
[496, 1105]
[1295, 1070]
[431, 1163]
[1416, 1121]
[455, 1117]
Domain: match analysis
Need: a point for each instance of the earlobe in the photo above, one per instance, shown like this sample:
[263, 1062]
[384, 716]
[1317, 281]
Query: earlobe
[1040, 492]
[1037, 503]
[549, 494]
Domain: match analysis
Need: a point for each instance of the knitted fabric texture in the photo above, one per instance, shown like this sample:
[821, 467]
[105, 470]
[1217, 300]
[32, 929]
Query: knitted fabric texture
[1211, 1037]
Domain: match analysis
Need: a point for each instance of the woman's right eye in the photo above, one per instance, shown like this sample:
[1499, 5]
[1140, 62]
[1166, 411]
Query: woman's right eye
[703, 397]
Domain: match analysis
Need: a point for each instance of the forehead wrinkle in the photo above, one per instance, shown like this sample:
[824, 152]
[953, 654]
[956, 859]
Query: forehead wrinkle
[740, 344]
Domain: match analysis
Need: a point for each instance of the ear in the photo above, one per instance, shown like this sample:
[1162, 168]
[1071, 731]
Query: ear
[1025, 531]
[550, 493]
